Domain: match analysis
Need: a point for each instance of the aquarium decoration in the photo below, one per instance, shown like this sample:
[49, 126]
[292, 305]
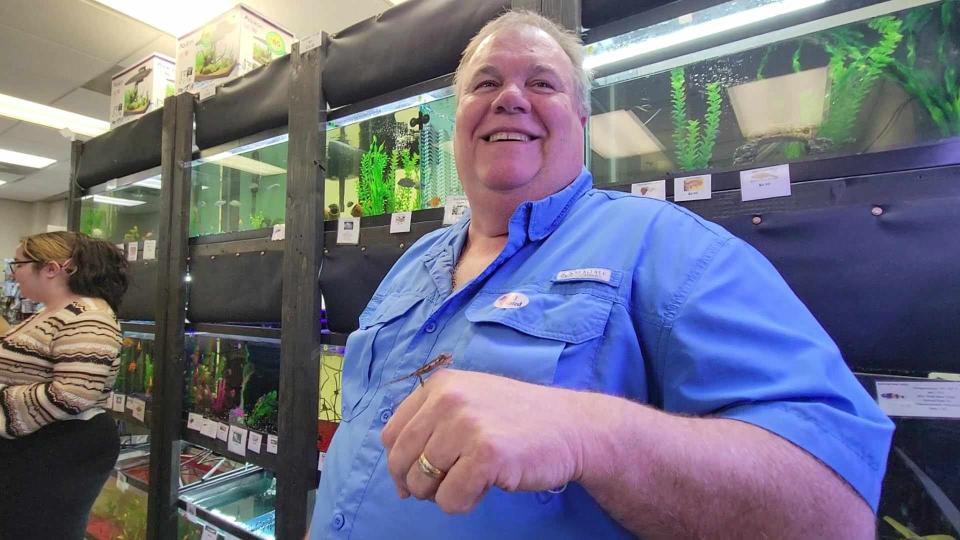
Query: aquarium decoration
[408, 187]
[694, 140]
[376, 192]
[265, 413]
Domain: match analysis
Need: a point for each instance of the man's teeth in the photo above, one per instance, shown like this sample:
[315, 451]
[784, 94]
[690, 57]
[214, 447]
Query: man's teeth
[509, 136]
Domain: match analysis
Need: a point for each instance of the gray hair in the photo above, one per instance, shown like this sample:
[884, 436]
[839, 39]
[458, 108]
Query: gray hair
[568, 41]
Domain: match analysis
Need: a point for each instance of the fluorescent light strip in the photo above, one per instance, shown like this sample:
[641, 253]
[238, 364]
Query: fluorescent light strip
[114, 200]
[174, 17]
[245, 164]
[699, 31]
[152, 183]
[28, 111]
[24, 160]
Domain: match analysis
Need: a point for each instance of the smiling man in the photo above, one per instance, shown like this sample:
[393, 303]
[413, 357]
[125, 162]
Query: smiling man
[593, 364]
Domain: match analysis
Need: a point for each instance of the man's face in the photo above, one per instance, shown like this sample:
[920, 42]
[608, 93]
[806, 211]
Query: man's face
[518, 127]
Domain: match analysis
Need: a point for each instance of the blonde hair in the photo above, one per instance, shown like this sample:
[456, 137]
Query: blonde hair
[568, 41]
[52, 246]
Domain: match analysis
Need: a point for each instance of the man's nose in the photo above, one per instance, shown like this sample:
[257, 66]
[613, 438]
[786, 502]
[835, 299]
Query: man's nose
[511, 99]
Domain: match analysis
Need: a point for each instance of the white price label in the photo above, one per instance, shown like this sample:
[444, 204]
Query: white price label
[455, 208]
[656, 189]
[279, 232]
[209, 428]
[194, 421]
[920, 398]
[320, 459]
[119, 402]
[132, 249]
[272, 444]
[122, 484]
[400, 222]
[139, 408]
[207, 92]
[149, 250]
[765, 183]
[692, 188]
[348, 230]
[223, 432]
[254, 441]
[237, 441]
[209, 533]
[191, 510]
[311, 42]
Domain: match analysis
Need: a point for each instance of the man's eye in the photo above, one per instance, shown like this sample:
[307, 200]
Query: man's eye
[486, 84]
[542, 84]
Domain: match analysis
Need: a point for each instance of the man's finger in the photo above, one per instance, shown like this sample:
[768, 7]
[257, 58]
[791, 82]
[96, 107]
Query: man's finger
[463, 487]
[401, 415]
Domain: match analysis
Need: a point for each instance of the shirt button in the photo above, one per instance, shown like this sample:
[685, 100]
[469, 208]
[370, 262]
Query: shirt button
[385, 414]
[429, 328]
[338, 521]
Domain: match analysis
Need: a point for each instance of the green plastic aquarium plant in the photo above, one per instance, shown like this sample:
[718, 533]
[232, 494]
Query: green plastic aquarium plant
[408, 187]
[376, 180]
[854, 67]
[134, 101]
[931, 77]
[264, 414]
[693, 144]
[257, 220]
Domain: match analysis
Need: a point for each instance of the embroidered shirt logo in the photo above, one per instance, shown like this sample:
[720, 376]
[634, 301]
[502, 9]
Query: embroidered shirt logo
[592, 274]
[512, 300]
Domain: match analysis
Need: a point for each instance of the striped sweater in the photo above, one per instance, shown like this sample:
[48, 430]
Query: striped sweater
[58, 366]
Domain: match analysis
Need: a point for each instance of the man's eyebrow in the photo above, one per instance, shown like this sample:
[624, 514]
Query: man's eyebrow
[535, 70]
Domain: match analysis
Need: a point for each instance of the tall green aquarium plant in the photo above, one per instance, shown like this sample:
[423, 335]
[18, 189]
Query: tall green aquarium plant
[376, 180]
[408, 187]
[694, 139]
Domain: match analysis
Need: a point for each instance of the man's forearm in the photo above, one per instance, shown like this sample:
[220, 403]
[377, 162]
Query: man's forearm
[667, 476]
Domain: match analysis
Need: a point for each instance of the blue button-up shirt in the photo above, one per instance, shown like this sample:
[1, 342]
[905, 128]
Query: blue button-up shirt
[600, 291]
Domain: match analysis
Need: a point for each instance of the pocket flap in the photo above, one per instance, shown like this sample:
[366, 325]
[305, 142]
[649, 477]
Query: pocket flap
[573, 318]
[382, 309]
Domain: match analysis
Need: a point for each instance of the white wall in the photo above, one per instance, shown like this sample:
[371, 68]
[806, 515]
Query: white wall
[19, 219]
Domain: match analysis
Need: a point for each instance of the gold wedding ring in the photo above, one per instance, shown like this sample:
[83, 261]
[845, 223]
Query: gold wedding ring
[428, 469]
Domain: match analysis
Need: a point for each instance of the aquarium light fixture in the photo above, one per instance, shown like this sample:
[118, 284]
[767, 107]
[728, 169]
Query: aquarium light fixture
[620, 134]
[152, 183]
[174, 17]
[114, 200]
[24, 160]
[35, 113]
[699, 31]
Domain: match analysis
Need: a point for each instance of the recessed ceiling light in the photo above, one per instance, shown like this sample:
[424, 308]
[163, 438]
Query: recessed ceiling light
[395, 2]
[174, 17]
[24, 160]
[35, 113]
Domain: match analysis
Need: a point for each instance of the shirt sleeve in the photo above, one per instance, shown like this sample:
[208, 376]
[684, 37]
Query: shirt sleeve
[743, 346]
[86, 356]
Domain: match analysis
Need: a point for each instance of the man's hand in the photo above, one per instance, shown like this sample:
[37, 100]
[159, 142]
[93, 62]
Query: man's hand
[482, 430]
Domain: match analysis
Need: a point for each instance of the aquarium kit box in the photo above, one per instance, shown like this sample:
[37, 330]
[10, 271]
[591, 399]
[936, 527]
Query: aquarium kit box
[227, 47]
[140, 88]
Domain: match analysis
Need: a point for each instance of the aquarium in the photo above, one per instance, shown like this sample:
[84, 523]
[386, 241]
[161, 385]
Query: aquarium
[865, 80]
[330, 408]
[234, 380]
[246, 501]
[135, 376]
[124, 210]
[240, 189]
[394, 158]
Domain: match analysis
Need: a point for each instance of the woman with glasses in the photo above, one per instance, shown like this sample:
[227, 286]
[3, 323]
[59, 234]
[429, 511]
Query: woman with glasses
[56, 370]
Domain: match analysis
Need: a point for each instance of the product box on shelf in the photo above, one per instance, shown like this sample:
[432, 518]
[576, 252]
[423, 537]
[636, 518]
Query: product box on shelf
[227, 47]
[141, 88]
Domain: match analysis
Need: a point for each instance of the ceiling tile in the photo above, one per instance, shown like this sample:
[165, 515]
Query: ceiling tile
[85, 102]
[164, 44]
[40, 185]
[37, 140]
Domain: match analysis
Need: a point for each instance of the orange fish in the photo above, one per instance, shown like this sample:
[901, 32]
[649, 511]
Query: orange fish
[434, 202]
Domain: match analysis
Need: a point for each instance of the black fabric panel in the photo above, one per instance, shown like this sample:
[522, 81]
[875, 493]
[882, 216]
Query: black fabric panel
[124, 150]
[413, 42]
[886, 288]
[229, 288]
[140, 301]
[351, 273]
[598, 12]
[256, 102]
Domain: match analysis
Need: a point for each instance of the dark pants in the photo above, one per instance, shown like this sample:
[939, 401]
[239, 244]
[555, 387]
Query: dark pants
[50, 479]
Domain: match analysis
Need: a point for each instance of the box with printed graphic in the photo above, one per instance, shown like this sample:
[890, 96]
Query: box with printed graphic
[140, 88]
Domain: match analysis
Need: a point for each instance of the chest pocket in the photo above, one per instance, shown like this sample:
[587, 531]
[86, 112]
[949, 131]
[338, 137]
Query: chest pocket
[526, 343]
[368, 348]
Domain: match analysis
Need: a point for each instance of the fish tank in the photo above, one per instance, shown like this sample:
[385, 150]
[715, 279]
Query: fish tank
[242, 188]
[393, 158]
[135, 376]
[871, 77]
[123, 210]
[330, 408]
[120, 511]
[246, 501]
[233, 379]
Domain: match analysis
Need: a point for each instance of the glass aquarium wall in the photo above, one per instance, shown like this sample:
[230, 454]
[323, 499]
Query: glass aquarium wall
[135, 376]
[330, 407]
[123, 211]
[241, 189]
[247, 501]
[395, 158]
[864, 81]
[233, 380]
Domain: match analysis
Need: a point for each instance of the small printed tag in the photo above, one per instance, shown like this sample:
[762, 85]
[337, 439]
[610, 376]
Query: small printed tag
[585, 274]
[400, 222]
[237, 442]
[119, 402]
[765, 183]
[311, 42]
[455, 209]
[132, 249]
[653, 190]
[209, 428]
[191, 509]
[149, 250]
[254, 441]
[223, 432]
[209, 533]
[320, 460]
[272, 444]
[692, 188]
[279, 231]
[512, 300]
[122, 484]
[138, 407]
[919, 398]
[348, 230]
[194, 421]
[207, 92]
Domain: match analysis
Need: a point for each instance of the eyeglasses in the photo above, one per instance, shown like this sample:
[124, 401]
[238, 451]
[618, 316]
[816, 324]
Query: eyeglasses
[12, 265]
